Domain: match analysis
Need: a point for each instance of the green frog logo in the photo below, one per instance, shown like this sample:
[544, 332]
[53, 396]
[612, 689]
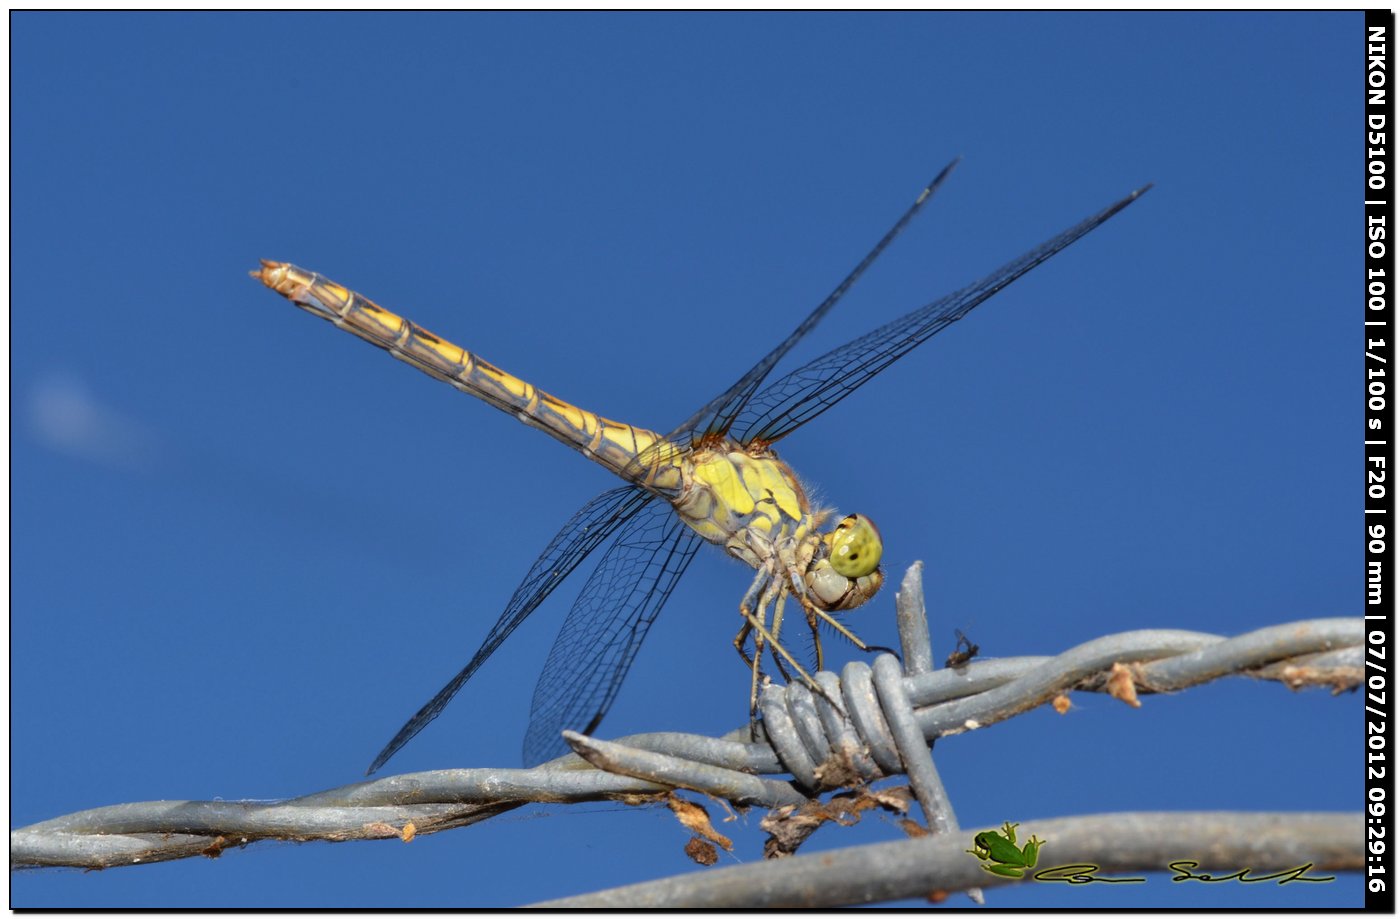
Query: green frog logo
[999, 852]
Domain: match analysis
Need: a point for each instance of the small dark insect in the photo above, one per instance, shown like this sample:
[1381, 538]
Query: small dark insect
[964, 652]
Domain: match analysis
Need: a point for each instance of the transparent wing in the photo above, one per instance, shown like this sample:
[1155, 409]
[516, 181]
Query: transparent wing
[808, 391]
[717, 416]
[606, 627]
[593, 523]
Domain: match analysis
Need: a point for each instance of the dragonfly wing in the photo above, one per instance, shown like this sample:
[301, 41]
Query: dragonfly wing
[606, 626]
[808, 391]
[593, 523]
[718, 415]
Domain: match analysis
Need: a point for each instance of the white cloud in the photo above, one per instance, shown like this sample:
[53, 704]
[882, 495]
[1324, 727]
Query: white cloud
[65, 416]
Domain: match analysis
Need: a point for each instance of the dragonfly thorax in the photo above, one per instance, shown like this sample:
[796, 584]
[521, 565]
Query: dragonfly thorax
[743, 501]
[750, 502]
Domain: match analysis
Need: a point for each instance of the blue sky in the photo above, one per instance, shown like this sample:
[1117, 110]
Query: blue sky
[246, 547]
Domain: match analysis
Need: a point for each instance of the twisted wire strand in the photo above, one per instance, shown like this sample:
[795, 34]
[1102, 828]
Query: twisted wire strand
[886, 719]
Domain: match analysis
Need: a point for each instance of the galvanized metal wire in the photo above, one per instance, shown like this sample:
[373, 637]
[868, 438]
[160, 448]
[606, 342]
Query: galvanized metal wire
[872, 721]
[933, 866]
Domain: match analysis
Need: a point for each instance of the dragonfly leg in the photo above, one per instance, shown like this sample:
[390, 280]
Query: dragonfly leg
[739, 640]
[757, 597]
[753, 599]
[776, 649]
[776, 630]
[779, 652]
[755, 677]
[764, 592]
[815, 613]
[811, 615]
[751, 663]
[812, 684]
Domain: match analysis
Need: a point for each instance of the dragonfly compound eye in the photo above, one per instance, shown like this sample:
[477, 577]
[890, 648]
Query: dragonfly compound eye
[855, 547]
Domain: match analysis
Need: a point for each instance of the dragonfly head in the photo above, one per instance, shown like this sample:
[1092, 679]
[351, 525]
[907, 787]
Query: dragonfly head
[847, 572]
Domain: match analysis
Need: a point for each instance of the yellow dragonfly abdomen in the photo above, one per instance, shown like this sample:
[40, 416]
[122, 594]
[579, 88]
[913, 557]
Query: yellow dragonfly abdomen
[636, 454]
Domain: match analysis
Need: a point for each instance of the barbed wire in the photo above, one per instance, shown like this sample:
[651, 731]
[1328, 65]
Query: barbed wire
[870, 722]
[933, 866]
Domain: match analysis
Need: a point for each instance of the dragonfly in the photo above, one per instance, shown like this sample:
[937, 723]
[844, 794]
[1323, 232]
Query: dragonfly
[715, 478]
